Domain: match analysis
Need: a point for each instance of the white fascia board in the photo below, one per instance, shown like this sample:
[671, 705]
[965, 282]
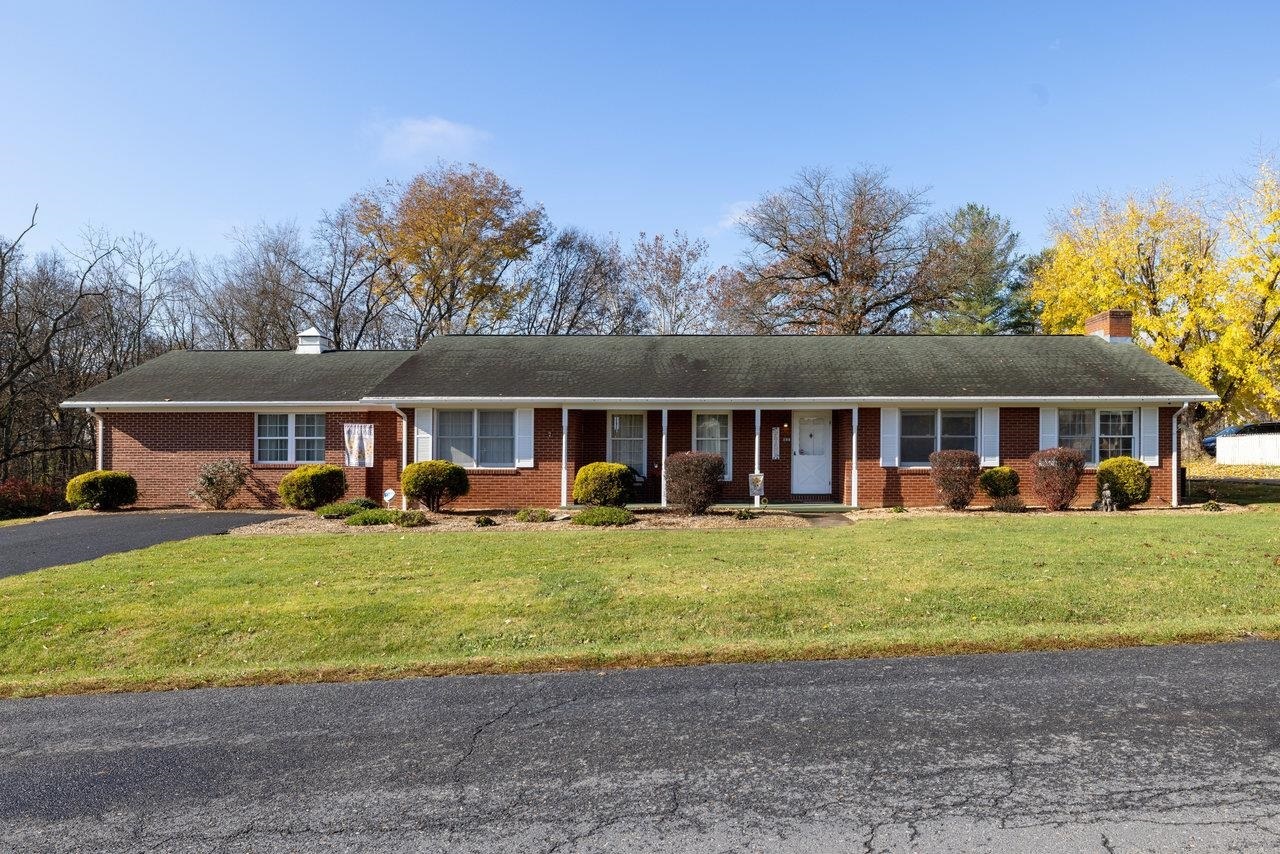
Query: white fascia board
[229, 405]
[786, 402]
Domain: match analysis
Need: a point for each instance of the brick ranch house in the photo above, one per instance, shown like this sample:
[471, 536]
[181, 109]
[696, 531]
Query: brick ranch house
[849, 420]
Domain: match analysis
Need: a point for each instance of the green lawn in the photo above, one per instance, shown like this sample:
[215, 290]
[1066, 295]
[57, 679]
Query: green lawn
[237, 610]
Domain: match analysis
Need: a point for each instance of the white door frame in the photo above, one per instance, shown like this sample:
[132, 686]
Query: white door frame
[801, 489]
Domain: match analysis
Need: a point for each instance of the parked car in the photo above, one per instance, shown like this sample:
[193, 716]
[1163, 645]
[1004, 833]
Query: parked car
[1210, 443]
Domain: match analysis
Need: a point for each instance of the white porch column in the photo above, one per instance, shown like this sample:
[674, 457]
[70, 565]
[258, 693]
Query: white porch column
[564, 456]
[756, 498]
[664, 458]
[853, 459]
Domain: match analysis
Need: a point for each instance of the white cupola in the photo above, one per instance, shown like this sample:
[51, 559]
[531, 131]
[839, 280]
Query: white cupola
[312, 341]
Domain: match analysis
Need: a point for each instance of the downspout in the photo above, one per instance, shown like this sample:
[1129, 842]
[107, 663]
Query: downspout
[1177, 416]
[404, 453]
[97, 437]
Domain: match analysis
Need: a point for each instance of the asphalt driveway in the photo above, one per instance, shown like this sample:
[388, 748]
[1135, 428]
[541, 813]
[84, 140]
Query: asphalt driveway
[1157, 749]
[53, 542]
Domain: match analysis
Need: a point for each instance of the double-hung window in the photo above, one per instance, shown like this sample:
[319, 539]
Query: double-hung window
[289, 438]
[1099, 434]
[713, 434]
[626, 440]
[476, 438]
[927, 430]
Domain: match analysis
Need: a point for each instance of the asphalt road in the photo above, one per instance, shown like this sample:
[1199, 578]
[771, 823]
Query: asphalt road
[1171, 749]
[56, 541]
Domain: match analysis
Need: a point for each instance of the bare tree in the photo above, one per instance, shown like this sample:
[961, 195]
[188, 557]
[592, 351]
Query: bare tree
[671, 277]
[573, 285]
[341, 293]
[831, 255]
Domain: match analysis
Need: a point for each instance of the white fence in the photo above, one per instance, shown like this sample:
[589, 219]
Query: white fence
[1260, 450]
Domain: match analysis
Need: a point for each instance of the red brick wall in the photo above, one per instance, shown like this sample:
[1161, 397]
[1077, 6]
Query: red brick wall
[494, 489]
[164, 452]
[1019, 439]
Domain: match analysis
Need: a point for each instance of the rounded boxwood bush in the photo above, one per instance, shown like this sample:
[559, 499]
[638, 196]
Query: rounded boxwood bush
[411, 519]
[102, 490]
[310, 486]
[603, 484]
[603, 516]
[434, 482]
[955, 474]
[1129, 479]
[999, 482]
[693, 480]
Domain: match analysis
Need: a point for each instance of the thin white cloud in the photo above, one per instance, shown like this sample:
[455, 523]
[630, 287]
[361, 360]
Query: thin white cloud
[731, 216]
[432, 136]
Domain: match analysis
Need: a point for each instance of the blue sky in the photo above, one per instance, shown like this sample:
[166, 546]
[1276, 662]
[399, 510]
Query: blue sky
[187, 120]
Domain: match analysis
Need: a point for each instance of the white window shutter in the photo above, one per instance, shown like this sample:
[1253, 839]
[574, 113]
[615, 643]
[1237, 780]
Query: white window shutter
[1048, 427]
[423, 446]
[990, 450]
[1150, 447]
[524, 438]
[889, 423]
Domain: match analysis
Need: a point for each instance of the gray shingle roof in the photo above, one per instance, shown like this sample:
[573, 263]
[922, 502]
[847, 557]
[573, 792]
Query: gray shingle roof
[198, 376]
[764, 367]
[661, 367]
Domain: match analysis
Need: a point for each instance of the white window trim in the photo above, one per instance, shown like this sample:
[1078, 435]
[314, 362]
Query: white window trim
[644, 436]
[1135, 436]
[693, 436]
[475, 436]
[291, 440]
[937, 433]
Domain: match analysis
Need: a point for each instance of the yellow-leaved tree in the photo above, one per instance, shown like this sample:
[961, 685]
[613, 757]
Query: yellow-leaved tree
[1203, 290]
[449, 237]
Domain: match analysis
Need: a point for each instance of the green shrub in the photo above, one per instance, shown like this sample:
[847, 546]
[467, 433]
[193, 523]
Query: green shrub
[955, 475]
[1129, 479]
[310, 486]
[603, 484]
[745, 514]
[1056, 474]
[485, 522]
[601, 516]
[1212, 506]
[102, 490]
[999, 482]
[693, 480]
[340, 510]
[377, 516]
[435, 483]
[363, 503]
[1009, 504]
[534, 514]
[897, 508]
[412, 519]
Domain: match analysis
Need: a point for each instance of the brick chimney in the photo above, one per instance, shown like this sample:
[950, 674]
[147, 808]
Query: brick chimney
[1115, 326]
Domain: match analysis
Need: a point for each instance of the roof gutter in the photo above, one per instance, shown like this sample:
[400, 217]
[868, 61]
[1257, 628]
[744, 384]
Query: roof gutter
[787, 402]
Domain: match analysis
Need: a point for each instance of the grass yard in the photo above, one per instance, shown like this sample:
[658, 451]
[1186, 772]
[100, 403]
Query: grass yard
[244, 610]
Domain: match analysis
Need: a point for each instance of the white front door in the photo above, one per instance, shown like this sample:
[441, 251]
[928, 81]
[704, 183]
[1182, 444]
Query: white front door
[811, 453]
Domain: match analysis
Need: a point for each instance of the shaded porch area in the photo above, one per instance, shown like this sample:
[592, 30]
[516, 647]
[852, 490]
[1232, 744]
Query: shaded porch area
[804, 456]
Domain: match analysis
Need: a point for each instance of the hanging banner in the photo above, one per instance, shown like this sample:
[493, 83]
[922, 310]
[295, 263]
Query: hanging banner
[358, 439]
